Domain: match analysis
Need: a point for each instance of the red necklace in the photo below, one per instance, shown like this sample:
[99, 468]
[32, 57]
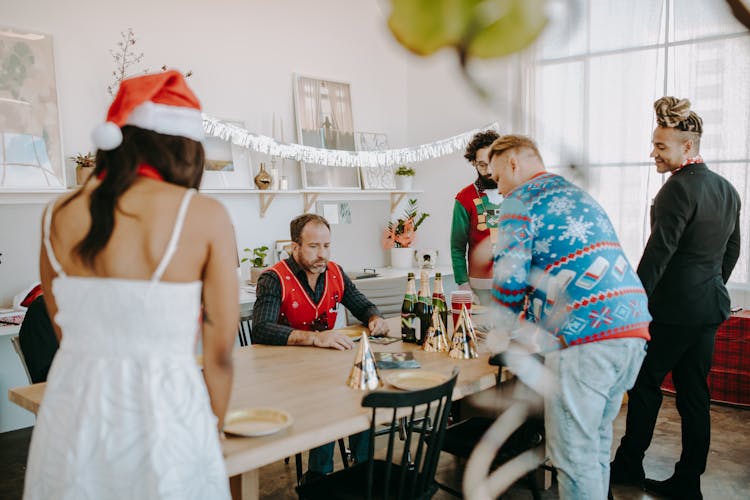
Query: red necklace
[143, 170]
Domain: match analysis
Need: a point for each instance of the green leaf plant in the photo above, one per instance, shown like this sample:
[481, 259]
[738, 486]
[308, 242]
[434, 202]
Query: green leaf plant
[257, 256]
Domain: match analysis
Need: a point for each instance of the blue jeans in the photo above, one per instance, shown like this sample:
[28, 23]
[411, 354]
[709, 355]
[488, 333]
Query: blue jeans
[578, 418]
[321, 458]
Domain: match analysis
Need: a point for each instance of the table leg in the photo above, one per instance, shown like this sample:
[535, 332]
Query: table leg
[245, 486]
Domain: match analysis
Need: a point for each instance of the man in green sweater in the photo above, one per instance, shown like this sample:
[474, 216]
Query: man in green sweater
[474, 228]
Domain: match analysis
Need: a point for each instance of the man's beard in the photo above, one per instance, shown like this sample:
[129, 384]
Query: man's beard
[486, 182]
[314, 267]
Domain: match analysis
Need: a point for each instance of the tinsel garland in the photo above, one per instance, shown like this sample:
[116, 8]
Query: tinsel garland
[337, 158]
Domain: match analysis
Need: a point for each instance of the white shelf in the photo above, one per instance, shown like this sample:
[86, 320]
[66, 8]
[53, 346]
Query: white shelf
[395, 196]
[43, 196]
[30, 196]
[310, 196]
[249, 191]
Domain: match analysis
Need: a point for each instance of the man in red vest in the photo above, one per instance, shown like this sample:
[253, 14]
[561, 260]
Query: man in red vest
[297, 304]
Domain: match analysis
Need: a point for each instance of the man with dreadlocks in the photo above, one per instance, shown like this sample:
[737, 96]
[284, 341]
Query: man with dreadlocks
[693, 247]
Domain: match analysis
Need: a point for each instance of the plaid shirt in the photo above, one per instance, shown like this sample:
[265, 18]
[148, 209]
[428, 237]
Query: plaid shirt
[266, 328]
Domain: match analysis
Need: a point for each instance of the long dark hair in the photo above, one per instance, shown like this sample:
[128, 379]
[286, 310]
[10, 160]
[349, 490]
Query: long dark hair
[178, 159]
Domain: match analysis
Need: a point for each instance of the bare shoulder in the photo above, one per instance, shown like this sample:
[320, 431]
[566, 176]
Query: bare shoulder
[69, 210]
[210, 213]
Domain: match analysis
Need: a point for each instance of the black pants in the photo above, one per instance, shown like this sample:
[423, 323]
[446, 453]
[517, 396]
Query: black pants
[686, 352]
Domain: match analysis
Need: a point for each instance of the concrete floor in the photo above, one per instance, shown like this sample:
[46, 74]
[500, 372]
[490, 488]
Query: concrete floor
[727, 476]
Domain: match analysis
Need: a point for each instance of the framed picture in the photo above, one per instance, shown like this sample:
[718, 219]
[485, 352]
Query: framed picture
[30, 140]
[323, 110]
[227, 165]
[282, 250]
[374, 177]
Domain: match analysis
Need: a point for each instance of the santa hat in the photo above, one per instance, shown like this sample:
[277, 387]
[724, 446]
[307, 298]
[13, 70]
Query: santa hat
[160, 102]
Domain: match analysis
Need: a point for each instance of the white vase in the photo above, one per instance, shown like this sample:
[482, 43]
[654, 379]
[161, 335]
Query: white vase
[404, 182]
[402, 258]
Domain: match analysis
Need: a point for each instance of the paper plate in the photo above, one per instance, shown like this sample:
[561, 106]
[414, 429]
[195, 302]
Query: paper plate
[412, 380]
[256, 422]
[353, 332]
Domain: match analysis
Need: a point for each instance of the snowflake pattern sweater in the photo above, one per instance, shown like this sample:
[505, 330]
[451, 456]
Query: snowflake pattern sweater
[559, 262]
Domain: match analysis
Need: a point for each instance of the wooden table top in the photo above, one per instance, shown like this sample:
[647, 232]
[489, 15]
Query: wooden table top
[310, 384]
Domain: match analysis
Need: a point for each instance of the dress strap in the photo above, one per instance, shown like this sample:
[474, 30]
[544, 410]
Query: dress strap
[47, 245]
[172, 245]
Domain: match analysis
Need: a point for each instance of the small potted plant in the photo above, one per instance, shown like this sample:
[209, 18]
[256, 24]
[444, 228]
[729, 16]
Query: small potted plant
[84, 166]
[257, 257]
[400, 234]
[404, 178]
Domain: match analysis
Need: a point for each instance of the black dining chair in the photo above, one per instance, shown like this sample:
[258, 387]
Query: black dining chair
[412, 474]
[244, 331]
[462, 437]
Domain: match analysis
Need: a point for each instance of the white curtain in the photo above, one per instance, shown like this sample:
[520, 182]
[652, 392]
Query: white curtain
[341, 106]
[308, 101]
[593, 94]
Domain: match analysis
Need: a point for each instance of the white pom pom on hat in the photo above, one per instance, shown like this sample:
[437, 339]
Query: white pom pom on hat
[107, 136]
[161, 102]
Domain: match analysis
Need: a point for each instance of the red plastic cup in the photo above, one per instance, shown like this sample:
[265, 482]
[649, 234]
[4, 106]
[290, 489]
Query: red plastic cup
[459, 299]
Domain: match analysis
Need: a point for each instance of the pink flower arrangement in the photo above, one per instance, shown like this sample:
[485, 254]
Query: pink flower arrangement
[401, 232]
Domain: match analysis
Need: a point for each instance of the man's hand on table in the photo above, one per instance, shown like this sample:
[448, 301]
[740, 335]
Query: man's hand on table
[378, 327]
[332, 340]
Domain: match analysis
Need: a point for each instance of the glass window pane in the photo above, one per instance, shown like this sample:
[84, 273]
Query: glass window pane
[715, 76]
[565, 35]
[625, 193]
[737, 174]
[700, 18]
[622, 24]
[622, 89]
[558, 123]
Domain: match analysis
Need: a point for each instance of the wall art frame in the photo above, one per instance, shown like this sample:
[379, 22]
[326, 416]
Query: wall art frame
[324, 118]
[227, 166]
[375, 178]
[31, 156]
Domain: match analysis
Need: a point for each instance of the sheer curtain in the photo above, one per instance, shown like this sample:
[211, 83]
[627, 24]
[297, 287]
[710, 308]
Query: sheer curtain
[593, 92]
[341, 105]
[309, 103]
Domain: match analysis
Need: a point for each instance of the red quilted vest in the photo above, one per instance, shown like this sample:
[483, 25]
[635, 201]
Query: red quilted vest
[297, 308]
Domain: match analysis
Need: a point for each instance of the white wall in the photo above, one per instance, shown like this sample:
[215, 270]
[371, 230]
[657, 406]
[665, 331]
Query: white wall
[441, 104]
[242, 55]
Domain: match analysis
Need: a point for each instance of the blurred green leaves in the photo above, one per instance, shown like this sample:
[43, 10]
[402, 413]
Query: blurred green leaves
[474, 28]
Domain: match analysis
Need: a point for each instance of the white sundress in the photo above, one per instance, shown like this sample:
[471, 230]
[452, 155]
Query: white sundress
[126, 413]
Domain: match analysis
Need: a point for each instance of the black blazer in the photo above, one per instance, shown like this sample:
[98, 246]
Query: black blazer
[693, 247]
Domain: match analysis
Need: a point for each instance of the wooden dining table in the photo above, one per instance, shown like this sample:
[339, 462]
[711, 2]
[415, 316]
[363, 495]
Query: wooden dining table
[310, 385]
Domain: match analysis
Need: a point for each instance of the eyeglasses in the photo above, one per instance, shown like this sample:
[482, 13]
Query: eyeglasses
[480, 164]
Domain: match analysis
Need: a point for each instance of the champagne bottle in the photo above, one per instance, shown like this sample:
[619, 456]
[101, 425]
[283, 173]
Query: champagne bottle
[438, 300]
[408, 315]
[424, 307]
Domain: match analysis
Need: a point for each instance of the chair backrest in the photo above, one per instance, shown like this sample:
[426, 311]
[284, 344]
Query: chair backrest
[244, 331]
[427, 417]
[16, 341]
[386, 293]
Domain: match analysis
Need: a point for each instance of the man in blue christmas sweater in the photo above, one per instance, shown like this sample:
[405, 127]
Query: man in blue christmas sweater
[559, 266]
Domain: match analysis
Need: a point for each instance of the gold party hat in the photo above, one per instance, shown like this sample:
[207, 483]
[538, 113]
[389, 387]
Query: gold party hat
[437, 337]
[364, 375]
[470, 330]
[464, 343]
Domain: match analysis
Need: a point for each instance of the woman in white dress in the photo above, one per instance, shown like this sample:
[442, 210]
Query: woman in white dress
[135, 266]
